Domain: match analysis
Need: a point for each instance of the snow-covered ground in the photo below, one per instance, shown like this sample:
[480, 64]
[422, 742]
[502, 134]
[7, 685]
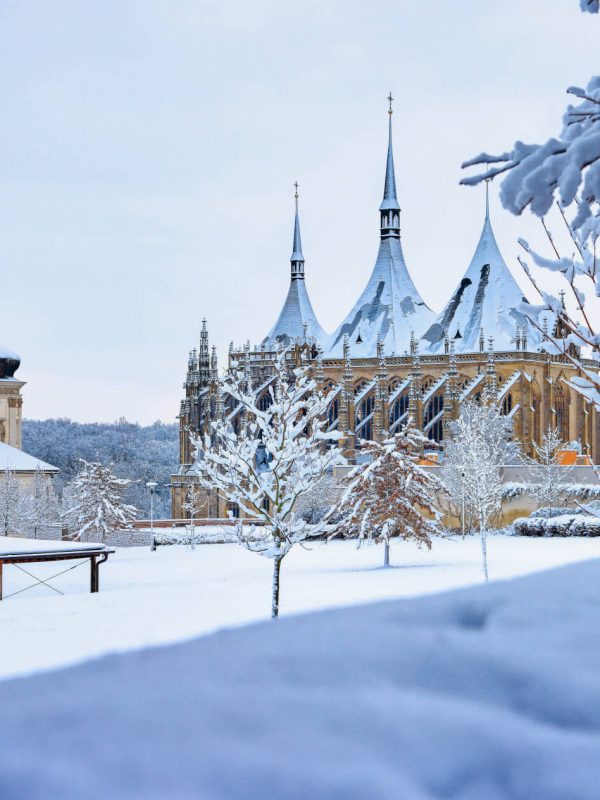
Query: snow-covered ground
[488, 693]
[149, 598]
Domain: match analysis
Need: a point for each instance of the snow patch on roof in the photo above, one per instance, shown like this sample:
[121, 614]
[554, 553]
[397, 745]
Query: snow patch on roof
[488, 298]
[18, 461]
[297, 312]
[389, 308]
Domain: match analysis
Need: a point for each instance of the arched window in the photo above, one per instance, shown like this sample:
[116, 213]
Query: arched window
[398, 408]
[333, 411]
[507, 404]
[265, 400]
[433, 408]
[562, 412]
[536, 416]
[364, 410]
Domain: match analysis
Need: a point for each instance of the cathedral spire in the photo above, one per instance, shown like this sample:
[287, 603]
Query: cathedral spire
[390, 209]
[297, 259]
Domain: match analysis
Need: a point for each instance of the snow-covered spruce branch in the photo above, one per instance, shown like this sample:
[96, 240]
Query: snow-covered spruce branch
[390, 496]
[276, 456]
[93, 502]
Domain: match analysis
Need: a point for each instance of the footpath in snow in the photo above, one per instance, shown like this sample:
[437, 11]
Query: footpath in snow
[174, 593]
[487, 693]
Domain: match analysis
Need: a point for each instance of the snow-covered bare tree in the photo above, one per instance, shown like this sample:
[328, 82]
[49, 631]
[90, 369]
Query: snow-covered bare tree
[565, 170]
[9, 502]
[391, 496]
[319, 501]
[194, 501]
[39, 508]
[279, 452]
[479, 445]
[94, 504]
[548, 477]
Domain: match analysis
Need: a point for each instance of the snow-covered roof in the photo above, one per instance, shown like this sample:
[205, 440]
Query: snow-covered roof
[5, 353]
[390, 307]
[297, 318]
[487, 298]
[18, 461]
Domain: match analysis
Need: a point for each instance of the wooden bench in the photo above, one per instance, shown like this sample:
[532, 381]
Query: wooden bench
[26, 552]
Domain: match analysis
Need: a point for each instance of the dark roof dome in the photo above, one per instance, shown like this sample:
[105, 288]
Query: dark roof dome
[9, 363]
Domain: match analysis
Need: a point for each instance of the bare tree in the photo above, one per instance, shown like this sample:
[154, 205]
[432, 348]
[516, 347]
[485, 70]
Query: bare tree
[38, 507]
[548, 476]
[273, 458]
[478, 447]
[9, 502]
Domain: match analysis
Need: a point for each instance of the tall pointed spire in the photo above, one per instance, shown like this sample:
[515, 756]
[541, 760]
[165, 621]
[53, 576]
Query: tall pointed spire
[390, 209]
[390, 304]
[297, 320]
[487, 298]
[297, 259]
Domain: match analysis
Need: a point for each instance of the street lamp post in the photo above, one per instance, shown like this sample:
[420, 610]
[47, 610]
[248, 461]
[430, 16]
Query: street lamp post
[462, 474]
[151, 486]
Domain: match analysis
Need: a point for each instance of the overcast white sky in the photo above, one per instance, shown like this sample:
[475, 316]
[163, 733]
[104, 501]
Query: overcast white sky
[148, 150]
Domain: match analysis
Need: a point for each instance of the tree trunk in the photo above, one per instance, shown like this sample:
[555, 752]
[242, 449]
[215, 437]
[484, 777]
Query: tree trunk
[482, 535]
[386, 553]
[275, 597]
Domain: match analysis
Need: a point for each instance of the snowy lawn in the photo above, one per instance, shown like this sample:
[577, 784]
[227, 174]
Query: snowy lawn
[176, 593]
[487, 693]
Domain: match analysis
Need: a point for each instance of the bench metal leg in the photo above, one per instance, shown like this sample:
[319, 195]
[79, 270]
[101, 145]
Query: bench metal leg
[94, 573]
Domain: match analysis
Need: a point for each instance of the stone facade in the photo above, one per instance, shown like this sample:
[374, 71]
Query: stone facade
[11, 404]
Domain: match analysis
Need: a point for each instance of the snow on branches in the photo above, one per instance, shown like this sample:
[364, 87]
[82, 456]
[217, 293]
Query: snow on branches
[94, 503]
[38, 507]
[272, 451]
[391, 496]
[9, 502]
[479, 445]
[567, 166]
[548, 476]
[564, 170]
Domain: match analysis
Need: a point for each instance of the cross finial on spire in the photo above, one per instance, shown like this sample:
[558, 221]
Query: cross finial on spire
[390, 101]
[296, 193]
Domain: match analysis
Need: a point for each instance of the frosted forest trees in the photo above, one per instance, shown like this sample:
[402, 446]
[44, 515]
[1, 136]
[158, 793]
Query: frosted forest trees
[9, 503]
[93, 502]
[391, 496]
[478, 447]
[272, 452]
[39, 509]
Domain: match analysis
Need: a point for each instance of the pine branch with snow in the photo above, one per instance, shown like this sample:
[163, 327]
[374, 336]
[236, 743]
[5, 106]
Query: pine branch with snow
[391, 496]
[264, 460]
[93, 502]
[479, 445]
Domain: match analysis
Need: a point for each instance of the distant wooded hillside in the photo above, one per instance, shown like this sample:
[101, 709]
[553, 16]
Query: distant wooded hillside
[142, 453]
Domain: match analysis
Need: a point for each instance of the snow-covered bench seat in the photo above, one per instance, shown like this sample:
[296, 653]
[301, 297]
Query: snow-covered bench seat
[14, 551]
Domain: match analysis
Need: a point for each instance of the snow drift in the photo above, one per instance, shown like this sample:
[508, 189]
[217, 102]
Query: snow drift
[480, 694]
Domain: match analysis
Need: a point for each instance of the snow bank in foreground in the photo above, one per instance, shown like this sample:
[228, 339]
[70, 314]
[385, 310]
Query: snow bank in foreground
[480, 694]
